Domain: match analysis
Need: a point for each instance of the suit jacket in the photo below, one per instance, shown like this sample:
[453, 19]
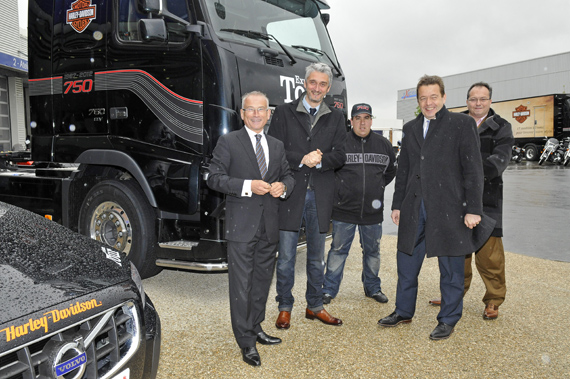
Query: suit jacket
[291, 124]
[446, 171]
[234, 162]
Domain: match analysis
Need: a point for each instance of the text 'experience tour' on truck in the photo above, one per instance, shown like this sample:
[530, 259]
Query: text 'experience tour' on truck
[127, 101]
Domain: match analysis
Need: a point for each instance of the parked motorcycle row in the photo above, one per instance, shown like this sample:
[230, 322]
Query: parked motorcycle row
[557, 152]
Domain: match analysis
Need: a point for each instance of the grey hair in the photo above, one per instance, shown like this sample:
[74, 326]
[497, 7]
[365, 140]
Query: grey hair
[253, 93]
[319, 67]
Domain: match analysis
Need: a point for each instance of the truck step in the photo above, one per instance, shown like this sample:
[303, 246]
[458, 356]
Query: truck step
[195, 266]
[180, 245]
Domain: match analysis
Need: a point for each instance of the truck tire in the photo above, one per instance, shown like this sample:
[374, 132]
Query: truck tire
[531, 152]
[117, 213]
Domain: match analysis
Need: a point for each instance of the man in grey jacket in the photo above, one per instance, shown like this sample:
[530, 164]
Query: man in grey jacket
[497, 139]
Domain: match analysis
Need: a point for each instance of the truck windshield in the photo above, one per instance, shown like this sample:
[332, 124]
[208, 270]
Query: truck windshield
[294, 23]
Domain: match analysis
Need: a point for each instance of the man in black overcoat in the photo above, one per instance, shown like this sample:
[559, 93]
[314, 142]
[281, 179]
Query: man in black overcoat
[252, 170]
[437, 203]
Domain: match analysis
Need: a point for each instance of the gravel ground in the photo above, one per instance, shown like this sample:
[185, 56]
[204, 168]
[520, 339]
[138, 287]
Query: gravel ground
[530, 339]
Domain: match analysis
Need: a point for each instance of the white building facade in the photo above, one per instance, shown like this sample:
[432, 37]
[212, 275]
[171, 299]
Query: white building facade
[535, 77]
[13, 79]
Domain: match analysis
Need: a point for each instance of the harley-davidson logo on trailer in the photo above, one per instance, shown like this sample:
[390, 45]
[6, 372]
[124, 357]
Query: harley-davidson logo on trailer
[81, 14]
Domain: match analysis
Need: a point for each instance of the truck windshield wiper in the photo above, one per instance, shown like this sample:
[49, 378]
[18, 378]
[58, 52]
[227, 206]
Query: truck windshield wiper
[263, 36]
[318, 51]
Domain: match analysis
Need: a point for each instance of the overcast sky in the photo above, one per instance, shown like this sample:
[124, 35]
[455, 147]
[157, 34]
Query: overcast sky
[384, 46]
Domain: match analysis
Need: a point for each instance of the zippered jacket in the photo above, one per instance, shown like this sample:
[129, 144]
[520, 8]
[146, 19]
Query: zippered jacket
[360, 183]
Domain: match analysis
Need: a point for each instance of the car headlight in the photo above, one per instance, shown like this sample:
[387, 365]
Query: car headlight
[138, 281]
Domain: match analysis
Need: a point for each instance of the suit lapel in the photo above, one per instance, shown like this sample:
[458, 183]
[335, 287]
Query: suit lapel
[418, 130]
[243, 137]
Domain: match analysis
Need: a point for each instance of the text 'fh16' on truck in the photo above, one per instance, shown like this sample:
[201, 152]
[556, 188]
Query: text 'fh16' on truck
[128, 99]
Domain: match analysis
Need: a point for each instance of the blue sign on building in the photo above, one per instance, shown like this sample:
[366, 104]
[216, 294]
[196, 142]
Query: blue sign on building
[13, 62]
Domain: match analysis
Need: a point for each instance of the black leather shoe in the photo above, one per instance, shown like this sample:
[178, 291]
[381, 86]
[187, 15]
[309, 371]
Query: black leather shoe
[251, 356]
[441, 332]
[379, 297]
[265, 339]
[393, 320]
[327, 298]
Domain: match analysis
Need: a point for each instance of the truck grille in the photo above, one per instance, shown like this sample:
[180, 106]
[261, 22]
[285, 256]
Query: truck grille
[109, 340]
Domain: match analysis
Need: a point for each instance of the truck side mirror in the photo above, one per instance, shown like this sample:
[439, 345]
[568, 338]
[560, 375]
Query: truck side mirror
[153, 30]
[326, 18]
[220, 10]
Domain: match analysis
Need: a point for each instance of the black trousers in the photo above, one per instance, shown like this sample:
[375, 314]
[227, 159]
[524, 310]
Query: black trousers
[250, 269]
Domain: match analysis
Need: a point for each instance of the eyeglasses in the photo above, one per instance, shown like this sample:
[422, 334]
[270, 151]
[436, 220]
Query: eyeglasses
[253, 110]
[476, 100]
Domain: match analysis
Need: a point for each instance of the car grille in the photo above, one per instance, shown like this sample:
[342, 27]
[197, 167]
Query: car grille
[110, 339]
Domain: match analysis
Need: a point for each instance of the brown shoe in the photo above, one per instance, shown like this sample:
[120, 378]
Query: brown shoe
[283, 320]
[491, 312]
[435, 302]
[324, 316]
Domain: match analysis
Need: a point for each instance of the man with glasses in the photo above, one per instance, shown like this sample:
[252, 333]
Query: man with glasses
[437, 203]
[313, 135]
[252, 170]
[497, 139]
[359, 202]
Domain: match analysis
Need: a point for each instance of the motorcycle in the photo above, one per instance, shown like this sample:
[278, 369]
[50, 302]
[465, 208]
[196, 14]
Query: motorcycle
[553, 152]
[517, 154]
[398, 153]
[567, 151]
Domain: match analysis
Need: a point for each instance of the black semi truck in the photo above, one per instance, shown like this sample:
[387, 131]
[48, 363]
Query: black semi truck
[127, 101]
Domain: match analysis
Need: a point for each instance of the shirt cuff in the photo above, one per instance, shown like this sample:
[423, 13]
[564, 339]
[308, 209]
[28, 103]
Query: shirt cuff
[246, 189]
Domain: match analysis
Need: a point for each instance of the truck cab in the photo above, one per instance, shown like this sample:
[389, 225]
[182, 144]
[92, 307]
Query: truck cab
[128, 99]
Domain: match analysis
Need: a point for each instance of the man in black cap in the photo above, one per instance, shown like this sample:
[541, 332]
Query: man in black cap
[359, 202]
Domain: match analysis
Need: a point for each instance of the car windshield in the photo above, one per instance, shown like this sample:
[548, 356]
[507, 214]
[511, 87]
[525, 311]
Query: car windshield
[296, 24]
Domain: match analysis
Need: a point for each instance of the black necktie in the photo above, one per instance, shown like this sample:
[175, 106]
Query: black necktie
[260, 155]
[312, 111]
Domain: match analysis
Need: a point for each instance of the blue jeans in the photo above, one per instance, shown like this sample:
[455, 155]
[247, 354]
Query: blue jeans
[315, 260]
[343, 235]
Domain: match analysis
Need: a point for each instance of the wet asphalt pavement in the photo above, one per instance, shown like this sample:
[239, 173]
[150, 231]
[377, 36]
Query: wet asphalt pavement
[536, 212]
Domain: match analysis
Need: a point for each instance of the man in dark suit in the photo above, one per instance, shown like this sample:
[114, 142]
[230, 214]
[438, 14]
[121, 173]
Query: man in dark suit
[437, 203]
[314, 136]
[252, 170]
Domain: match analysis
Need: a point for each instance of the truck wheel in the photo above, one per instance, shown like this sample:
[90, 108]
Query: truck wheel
[118, 214]
[531, 152]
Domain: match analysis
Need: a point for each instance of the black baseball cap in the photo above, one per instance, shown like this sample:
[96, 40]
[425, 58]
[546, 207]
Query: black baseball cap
[361, 108]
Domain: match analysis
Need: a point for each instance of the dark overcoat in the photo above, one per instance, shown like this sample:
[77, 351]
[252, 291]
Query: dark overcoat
[292, 124]
[497, 141]
[234, 161]
[445, 171]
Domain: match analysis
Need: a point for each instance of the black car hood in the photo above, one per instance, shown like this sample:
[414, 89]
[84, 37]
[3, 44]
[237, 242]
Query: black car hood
[43, 264]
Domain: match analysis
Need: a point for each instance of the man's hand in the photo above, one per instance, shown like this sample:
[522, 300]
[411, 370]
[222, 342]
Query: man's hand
[259, 187]
[472, 220]
[396, 216]
[277, 189]
[313, 158]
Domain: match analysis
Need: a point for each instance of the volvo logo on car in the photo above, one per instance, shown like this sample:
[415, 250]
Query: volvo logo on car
[67, 358]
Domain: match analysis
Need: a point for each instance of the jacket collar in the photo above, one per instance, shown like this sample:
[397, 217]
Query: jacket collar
[489, 122]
